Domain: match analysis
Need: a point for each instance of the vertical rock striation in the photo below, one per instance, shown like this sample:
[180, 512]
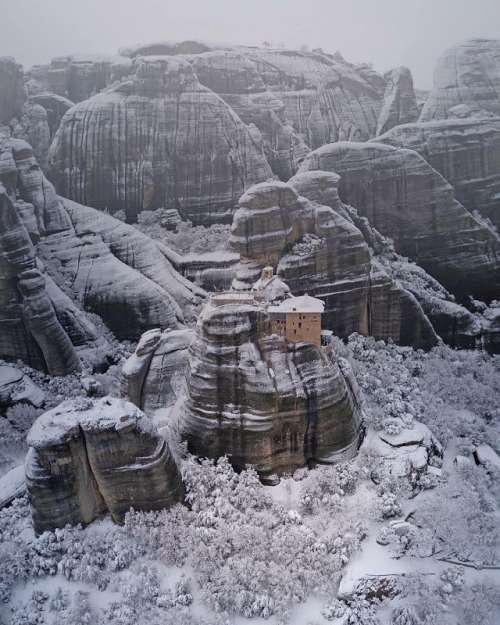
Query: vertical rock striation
[160, 139]
[467, 74]
[153, 376]
[262, 401]
[87, 457]
[313, 245]
[399, 105]
[404, 198]
[236, 79]
[325, 98]
[466, 152]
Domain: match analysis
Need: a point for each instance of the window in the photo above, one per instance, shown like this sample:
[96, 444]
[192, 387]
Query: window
[300, 325]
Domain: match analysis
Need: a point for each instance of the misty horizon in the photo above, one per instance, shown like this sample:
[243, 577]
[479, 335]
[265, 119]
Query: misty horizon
[364, 32]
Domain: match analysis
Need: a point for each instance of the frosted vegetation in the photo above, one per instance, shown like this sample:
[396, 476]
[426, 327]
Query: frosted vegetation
[182, 236]
[243, 550]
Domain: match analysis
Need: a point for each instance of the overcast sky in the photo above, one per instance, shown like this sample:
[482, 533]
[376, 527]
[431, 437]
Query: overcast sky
[383, 32]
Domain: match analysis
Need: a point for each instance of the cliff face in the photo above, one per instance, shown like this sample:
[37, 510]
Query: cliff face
[467, 74]
[399, 105]
[404, 198]
[112, 269]
[325, 98]
[30, 328]
[464, 151]
[303, 230]
[236, 79]
[87, 457]
[153, 376]
[78, 76]
[160, 139]
[12, 92]
[262, 401]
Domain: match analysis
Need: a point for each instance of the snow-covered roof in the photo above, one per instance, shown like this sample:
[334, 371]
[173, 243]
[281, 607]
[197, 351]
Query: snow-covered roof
[303, 304]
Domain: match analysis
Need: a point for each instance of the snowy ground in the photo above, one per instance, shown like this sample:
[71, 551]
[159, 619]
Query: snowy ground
[307, 551]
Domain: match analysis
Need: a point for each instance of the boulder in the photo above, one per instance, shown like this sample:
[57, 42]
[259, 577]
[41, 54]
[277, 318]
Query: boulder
[90, 456]
[159, 139]
[153, 376]
[263, 401]
[405, 199]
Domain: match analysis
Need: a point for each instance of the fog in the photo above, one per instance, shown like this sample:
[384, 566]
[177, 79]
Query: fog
[383, 32]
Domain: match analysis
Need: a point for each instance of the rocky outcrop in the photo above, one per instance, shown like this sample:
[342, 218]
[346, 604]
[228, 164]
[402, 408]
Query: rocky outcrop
[30, 328]
[404, 198]
[101, 263]
[464, 151]
[12, 92]
[121, 274]
[55, 106]
[160, 139]
[236, 79]
[305, 233]
[153, 376]
[77, 77]
[87, 457]
[467, 74]
[172, 48]
[325, 98]
[22, 118]
[16, 387]
[399, 105]
[262, 401]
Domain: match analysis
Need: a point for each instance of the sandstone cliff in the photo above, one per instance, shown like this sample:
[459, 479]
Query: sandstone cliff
[325, 98]
[87, 457]
[404, 198]
[236, 79]
[262, 401]
[467, 74]
[399, 105]
[314, 247]
[153, 376]
[78, 76]
[102, 264]
[466, 152]
[160, 139]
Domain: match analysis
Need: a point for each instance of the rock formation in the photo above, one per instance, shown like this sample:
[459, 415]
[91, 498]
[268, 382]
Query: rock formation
[77, 77]
[109, 267]
[262, 401]
[325, 98]
[30, 327]
[404, 198]
[467, 74]
[399, 105]
[16, 387]
[87, 457]
[55, 106]
[236, 79]
[12, 92]
[311, 242]
[160, 139]
[22, 118]
[153, 376]
[466, 152]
